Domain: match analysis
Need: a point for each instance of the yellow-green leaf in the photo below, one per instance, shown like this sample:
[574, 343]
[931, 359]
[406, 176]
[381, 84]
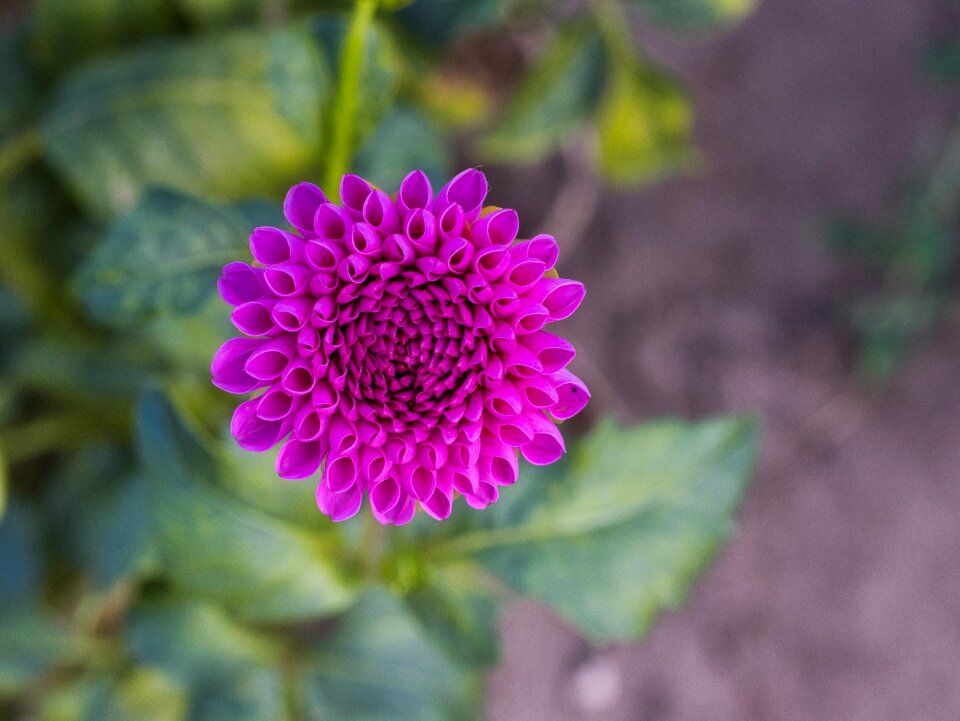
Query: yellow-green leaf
[644, 124]
[226, 116]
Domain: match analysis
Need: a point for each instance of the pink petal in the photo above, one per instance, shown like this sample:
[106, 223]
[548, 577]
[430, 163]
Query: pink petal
[299, 459]
[241, 283]
[229, 365]
[547, 445]
[572, 395]
[301, 204]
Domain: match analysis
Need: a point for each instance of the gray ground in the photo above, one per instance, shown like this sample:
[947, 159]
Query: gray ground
[840, 598]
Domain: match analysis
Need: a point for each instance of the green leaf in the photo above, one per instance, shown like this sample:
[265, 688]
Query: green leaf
[645, 125]
[229, 672]
[438, 22]
[404, 141]
[622, 529]
[162, 258]
[30, 643]
[20, 561]
[66, 32]
[377, 666]
[20, 88]
[211, 13]
[110, 538]
[553, 99]
[142, 694]
[379, 73]
[212, 545]
[254, 480]
[3, 486]
[459, 613]
[696, 15]
[196, 643]
[226, 116]
[101, 373]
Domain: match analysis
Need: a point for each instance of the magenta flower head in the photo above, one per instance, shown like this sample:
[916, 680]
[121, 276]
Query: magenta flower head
[399, 342]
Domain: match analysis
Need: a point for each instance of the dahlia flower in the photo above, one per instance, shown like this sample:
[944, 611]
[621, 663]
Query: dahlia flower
[400, 343]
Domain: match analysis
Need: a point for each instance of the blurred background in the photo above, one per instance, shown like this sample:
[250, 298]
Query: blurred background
[760, 197]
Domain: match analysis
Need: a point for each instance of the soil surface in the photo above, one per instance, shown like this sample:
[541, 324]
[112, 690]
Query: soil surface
[840, 596]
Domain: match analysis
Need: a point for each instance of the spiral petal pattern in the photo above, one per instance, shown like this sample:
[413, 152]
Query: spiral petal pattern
[399, 345]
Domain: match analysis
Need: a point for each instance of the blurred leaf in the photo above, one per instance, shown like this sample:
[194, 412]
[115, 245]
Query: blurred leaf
[889, 325]
[142, 694]
[404, 141]
[261, 212]
[645, 124]
[254, 481]
[454, 100]
[99, 515]
[227, 116]
[253, 696]
[65, 33]
[696, 15]
[17, 79]
[555, 97]
[212, 545]
[379, 73]
[33, 244]
[20, 561]
[163, 257]
[852, 237]
[96, 372]
[189, 342]
[459, 613]
[196, 643]
[439, 22]
[30, 643]
[623, 528]
[942, 60]
[208, 13]
[376, 666]
[230, 673]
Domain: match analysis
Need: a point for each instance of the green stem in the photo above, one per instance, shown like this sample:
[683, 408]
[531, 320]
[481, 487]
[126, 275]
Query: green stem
[348, 88]
[19, 150]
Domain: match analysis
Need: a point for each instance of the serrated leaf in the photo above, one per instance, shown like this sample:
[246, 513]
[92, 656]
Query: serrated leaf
[645, 125]
[211, 545]
[620, 531]
[377, 666]
[557, 95]
[66, 32]
[405, 140]
[696, 15]
[226, 116]
[162, 258]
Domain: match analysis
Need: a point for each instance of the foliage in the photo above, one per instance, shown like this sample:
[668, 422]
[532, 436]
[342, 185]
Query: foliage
[149, 569]
[913, 256]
